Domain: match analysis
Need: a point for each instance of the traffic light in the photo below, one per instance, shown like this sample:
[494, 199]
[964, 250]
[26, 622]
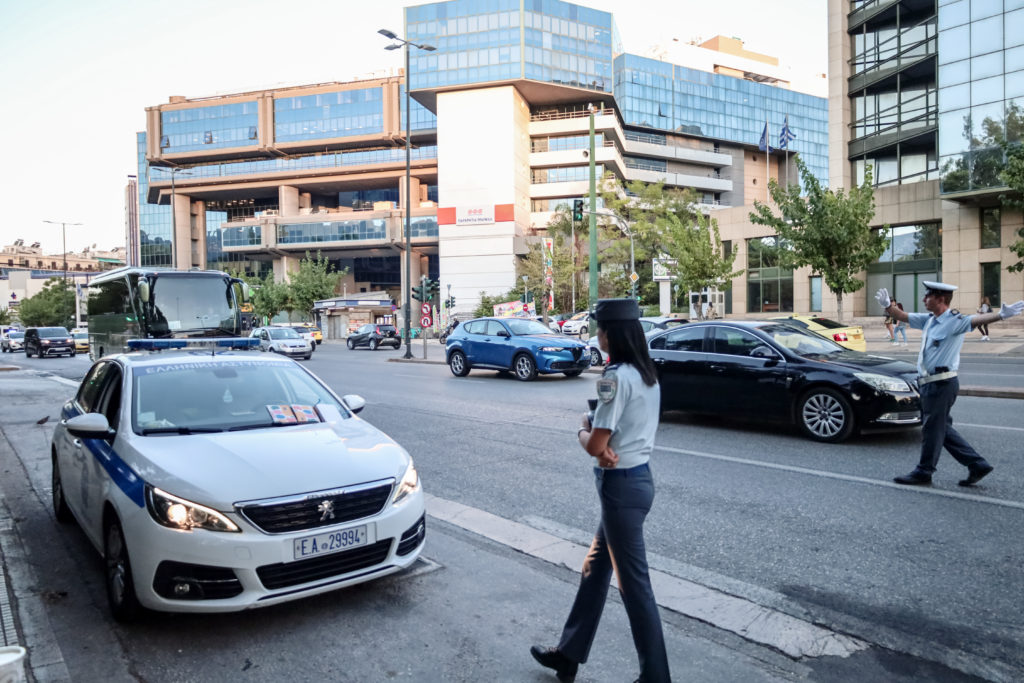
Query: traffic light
[417, 293]
[430, 290]
[577, 209]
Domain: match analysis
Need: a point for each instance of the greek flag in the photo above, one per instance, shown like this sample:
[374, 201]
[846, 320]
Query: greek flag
[786, 135]
[765, 144]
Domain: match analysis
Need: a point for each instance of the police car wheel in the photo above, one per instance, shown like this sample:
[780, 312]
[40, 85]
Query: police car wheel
[60, 506]
[457, 363]
[124, 604]
[524, 367]
[825, 415]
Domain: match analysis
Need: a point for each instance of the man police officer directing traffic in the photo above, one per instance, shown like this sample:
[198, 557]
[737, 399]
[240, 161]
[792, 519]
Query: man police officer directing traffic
[937, 365]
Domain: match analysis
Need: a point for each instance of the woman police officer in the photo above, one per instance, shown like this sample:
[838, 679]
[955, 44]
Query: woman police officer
[621, 439]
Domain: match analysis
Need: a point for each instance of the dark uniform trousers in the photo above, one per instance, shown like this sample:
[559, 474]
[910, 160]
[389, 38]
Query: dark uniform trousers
[626, 497]
[937, 399]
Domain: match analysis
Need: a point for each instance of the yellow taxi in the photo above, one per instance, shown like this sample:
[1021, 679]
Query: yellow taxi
[81, 336]
[318, 336]
[850, 336]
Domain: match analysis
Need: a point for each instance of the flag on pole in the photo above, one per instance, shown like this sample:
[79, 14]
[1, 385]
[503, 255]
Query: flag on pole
[765, 144]
[786, 135]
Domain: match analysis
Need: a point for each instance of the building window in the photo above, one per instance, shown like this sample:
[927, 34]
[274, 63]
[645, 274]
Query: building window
[990, 228]
[990, 283]
[815, 290]
[769, 285]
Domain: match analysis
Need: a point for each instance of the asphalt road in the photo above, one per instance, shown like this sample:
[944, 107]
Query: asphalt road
[818, 532]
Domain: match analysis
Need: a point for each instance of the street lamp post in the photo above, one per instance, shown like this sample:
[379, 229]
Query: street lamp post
[174, 224]
[624, 227]
[64, 240]
[403, 43]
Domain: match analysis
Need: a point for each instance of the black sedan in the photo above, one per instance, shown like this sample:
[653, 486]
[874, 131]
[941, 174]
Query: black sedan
[776, 372]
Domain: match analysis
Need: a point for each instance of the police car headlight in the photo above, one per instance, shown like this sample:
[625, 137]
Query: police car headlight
[178, 513]
[410, 484]
[882, 382]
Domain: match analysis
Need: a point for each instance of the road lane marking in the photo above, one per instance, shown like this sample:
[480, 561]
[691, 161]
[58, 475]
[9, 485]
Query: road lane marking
[845, 477]
[794, 637]
[970, 424]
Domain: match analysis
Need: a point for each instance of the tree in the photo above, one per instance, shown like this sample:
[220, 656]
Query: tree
[54, 306]
[828, 231]
[534, 266]
[5, 316]
[1013, 177]
[701, 261]
[268, 298]
[315, 279]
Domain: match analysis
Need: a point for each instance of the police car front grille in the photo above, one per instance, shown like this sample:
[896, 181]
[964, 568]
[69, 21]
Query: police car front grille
[285, 574]
[312, 511]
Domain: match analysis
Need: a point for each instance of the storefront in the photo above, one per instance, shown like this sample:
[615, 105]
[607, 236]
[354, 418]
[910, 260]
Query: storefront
[339, 317]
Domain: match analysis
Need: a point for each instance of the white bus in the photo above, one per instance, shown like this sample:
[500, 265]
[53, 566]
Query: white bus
[162, 303]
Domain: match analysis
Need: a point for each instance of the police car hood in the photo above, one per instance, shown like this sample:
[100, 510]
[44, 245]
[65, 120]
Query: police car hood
[549, 340]
[223, 468]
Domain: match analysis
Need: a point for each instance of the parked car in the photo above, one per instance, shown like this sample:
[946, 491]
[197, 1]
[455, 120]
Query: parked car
[81, 338]
[283, 340]
[578, 324]
[850, 336]
[373, 336]
[519, 345]
[48, 341]
[649, 324]
[318, 336]
[12, 341]
[777, 372]
[222, 481]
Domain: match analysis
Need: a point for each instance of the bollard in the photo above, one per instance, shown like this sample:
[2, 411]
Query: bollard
[12, 667]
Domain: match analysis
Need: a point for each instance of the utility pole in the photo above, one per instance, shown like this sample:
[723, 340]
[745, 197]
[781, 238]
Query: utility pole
[593, 217]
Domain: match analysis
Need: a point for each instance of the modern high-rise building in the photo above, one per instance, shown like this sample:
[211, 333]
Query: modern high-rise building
[500, 128]
[131, 221]
[926, 93]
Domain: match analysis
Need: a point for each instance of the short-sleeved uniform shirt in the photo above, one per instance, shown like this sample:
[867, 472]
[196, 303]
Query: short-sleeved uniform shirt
[942, 340]
[630, 409]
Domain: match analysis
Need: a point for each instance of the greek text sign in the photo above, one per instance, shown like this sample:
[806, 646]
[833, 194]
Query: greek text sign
[474, 215]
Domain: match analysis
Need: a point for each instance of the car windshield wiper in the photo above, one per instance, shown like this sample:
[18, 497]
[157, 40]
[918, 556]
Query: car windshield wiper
[181, 430]
[262, 425]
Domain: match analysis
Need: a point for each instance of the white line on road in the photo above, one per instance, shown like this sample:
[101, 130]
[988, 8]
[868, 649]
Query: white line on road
[794, 637]
[846, 477]
[969, 424]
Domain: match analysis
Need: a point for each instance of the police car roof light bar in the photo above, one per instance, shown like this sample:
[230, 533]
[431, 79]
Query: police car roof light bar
[211, 343]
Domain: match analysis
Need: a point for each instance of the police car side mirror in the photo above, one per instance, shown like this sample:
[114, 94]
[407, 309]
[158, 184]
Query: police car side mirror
[90, 426]
[354, 402]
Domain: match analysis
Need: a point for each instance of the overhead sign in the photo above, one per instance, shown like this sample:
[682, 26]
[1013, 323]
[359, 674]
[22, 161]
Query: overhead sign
[474, 215]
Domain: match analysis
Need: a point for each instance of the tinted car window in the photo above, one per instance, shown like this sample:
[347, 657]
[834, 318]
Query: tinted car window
[89, 392]
[686, 339]
[734, 342]
[800, 342]
[50, 332]
[384, 329]
[494, 328]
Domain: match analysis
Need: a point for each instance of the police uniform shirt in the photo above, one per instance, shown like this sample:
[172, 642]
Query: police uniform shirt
[942, 340]
[630, 410]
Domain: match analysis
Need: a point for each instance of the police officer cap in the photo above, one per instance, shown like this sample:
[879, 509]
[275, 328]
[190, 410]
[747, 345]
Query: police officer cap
[616, 309]
[938, 286]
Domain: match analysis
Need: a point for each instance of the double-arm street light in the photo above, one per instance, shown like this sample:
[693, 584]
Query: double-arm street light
[175, 170]
[403, 43]
[64, 240]
[624, 227]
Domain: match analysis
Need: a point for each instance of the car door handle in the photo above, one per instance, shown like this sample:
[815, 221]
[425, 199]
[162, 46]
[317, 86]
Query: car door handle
[717, 368]
[658, 361]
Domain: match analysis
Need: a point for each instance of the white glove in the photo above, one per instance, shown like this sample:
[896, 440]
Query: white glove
[1010, 310]
[882, 296]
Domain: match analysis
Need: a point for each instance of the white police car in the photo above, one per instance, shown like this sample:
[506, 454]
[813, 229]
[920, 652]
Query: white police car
[220, 480]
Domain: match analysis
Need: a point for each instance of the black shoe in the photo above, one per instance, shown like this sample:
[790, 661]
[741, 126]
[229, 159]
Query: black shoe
[550, 657]
[976, 475]
[915, 478]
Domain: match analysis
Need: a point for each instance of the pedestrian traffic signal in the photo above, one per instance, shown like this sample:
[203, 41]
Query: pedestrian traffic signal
[577, 209]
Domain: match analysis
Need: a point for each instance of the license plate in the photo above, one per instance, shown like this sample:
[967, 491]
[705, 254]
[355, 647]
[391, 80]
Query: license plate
[330, 542]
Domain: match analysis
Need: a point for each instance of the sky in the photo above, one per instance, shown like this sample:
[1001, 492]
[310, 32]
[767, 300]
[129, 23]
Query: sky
[77, 75]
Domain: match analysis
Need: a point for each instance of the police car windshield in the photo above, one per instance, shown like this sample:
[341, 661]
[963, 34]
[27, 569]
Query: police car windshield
[186, 397]
[801, 343]
[521, 326]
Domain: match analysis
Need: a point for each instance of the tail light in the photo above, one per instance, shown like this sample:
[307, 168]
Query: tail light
[839, 336]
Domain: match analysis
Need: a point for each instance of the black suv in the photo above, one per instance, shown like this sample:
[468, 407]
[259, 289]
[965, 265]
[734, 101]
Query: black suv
[48, 341]
[374, 335]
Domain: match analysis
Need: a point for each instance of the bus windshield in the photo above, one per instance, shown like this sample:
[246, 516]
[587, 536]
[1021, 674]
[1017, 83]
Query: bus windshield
[191, 305]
